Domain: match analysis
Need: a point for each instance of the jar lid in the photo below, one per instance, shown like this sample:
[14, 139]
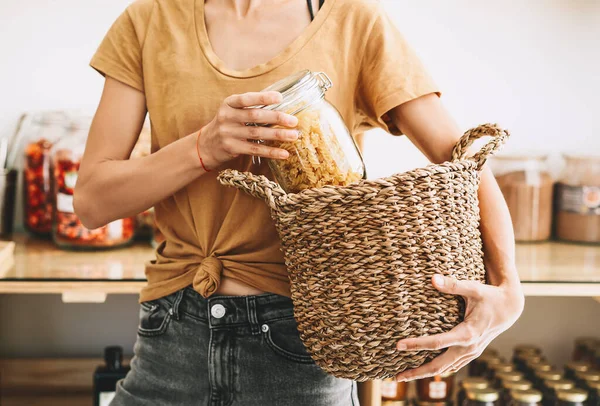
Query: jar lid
[299, 91]
[510, 376]
[553, 375]
[517, 385]
[502, 367]
[572, 395]
[542, 366]
[483, 395]
[527, 396]
[578, 366]
[560, 384]
[589, 375]
[532, 358]
[594, 385]
[475, 383]
[527, 348]
[490, 359]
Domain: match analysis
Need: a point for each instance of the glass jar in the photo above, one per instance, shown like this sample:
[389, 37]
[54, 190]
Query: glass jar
[469, 384]
[594, 393]
[501, 367]
[511, 376]
[392, 390]
[584, 349]
[326, 153]
[483, 397]
[436, 389]
[551, 388]
[46, 129]
[571, 397]
[572, 368]
[577, 215]
[510, 386]
[68, 231]
[584, 378]
[524, 352]
[530, 362]
[525, 397]
[527, 187]
[477, 366]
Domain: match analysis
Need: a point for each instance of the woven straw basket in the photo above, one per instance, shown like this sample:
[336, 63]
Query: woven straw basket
[360, 258]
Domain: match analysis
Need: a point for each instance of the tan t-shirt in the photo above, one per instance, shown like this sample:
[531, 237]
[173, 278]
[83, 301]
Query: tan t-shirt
[161, 48]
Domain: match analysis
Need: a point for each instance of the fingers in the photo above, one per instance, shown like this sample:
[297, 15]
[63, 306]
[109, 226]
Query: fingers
[240, 147]
[240, 101]
[461, 335]
[469, 289]
[437, 366]
[264, 133]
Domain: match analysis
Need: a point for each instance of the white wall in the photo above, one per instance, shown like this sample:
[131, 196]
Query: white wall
[533, 66]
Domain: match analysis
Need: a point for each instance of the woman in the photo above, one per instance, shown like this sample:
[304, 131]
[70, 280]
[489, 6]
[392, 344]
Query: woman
[216, 324]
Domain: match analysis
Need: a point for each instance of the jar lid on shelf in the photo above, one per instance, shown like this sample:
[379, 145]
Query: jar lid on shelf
[527, 348]
[474, 383]
[517, 385]
[542, 366]
[560, 384]
[572, 395]
[502, 367]
[553, 375]
[483, 395]
[511, 376]
[578, 366]
[527, 396]
[589, 375]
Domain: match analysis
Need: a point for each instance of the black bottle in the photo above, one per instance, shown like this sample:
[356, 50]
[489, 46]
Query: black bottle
[106, 376]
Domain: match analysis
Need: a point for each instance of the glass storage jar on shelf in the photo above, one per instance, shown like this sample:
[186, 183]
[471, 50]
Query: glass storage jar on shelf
[325, 153]
[577, 216]
[45, 130]
[68, 231]
[527, 187]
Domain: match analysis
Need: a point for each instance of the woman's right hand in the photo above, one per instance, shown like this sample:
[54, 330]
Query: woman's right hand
[227, 136]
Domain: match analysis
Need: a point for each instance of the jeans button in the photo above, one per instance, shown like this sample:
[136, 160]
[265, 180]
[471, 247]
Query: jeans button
[217, 311]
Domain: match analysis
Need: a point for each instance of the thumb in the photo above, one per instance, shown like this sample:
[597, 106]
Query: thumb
[470, 289]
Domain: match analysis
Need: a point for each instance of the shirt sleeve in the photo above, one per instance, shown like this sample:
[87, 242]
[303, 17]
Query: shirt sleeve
[120, 52]
[391, 74]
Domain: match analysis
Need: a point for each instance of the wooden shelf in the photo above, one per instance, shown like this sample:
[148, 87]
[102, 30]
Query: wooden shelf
[546, 269]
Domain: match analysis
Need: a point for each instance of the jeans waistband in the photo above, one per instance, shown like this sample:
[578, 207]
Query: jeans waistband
[232, 311]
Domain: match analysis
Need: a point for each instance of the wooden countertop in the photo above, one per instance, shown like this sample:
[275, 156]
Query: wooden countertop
[546, 269]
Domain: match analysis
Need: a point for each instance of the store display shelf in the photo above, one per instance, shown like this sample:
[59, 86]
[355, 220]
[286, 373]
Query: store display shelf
[37, 266]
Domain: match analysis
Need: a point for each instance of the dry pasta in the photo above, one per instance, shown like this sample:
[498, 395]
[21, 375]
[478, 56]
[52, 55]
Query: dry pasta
[316, 159]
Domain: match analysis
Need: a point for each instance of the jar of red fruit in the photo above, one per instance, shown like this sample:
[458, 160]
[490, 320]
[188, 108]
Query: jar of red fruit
[46, 129]
[68, 231]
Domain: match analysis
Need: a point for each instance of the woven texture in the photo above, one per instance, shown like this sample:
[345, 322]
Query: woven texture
[360, 258]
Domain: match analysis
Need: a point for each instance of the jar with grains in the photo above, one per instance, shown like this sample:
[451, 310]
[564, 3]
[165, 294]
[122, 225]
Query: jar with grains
[325, 153]
[525, 397]
[527, 187]
[393, 391]
[577, 205]
[44, 131]
[68, 231]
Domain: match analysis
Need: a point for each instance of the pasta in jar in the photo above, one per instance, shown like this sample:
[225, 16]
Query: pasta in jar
[325, 154]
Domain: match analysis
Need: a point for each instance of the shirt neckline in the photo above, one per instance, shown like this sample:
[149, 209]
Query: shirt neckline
[278, 60]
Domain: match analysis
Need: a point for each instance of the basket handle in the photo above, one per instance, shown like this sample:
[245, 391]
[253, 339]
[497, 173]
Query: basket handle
[499, 136]
[255, 185]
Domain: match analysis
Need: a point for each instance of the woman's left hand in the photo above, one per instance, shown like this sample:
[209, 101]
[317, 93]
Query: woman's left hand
[490, 310]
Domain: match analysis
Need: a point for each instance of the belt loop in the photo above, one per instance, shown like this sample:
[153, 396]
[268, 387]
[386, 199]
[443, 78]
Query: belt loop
[178, 299]
[252, 317]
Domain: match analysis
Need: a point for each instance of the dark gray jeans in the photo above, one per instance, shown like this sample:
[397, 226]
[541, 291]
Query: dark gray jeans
[225, 351]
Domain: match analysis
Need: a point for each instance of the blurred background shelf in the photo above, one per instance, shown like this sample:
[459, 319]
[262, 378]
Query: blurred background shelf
[546, 269]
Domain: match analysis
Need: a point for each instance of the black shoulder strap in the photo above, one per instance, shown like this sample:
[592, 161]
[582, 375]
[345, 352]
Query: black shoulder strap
[310, 9]
[321, 2]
